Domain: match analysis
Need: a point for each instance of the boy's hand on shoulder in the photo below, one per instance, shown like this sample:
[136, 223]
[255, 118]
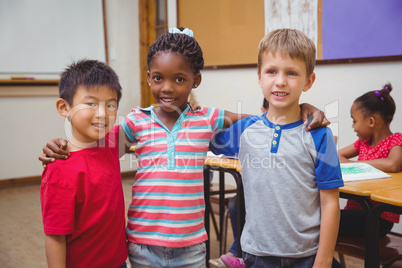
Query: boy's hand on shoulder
[318, 120]
[54, 149]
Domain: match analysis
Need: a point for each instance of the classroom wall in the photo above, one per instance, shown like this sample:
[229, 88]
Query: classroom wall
[27, 123]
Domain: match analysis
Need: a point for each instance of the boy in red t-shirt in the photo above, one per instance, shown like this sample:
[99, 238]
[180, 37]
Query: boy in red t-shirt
[82, 198]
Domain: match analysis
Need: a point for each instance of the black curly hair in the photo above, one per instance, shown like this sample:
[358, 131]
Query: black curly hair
[180, 44]
[378, 102]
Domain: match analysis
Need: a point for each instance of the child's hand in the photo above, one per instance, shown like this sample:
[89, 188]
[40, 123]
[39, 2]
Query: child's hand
[194, 105]
[319, 119]
[54, 149]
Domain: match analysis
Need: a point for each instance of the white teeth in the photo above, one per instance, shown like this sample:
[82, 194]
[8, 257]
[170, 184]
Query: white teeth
[99, 125]
[280, 94]
[167, 100]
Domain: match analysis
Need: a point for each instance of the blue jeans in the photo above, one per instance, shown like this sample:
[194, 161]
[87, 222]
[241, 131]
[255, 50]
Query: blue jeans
[148, 256]
[252, 261]
[232, 207]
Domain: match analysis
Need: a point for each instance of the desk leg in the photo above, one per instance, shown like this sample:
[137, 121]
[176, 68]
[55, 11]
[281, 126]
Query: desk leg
[240, 203]
[207, 212]
[221, 207]
[372, 235]
[240, 208]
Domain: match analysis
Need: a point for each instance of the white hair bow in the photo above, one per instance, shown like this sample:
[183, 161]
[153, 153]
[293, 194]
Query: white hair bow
[186, 31]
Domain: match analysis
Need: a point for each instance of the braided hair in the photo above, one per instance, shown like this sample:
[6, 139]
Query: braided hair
[378, 102]
[181, 44]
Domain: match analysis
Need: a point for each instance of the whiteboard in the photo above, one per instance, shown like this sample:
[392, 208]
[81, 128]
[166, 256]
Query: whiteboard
[44, 36]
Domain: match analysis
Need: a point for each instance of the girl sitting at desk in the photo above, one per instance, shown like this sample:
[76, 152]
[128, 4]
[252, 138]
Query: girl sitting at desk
[372, 114]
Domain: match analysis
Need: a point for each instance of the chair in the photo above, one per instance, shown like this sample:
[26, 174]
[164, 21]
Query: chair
[221, 233]
[390, 248]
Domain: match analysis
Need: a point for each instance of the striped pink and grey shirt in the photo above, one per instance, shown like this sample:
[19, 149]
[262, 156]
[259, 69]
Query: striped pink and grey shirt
[168, 205]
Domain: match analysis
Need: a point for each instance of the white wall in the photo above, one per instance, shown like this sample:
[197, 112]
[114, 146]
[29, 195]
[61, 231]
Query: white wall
[27, 123]
[123, 38]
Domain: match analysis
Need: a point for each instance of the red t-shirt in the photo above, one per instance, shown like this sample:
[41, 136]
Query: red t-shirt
[381, 150]
[82, 198]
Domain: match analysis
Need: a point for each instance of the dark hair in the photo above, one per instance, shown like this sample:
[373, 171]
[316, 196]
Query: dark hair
[378, 101]
[89, 74]
[265, 104]
[181, 44]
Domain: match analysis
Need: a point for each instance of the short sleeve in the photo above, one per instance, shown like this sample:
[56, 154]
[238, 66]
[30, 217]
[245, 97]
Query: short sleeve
[327, 166]
[58, 208]
[397, 140]
[217, 117]
[128, 126]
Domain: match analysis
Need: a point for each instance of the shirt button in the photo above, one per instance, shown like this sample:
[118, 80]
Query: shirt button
[274, 142]
[276, 135]
[277, 128]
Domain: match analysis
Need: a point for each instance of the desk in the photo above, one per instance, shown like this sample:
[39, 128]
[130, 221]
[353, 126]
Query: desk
[387, 191]
[223, 165]
[391, 200]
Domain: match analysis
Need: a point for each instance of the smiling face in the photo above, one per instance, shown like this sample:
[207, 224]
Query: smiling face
[362, 125]
[92, 114]
[171, 79]
[282, 80]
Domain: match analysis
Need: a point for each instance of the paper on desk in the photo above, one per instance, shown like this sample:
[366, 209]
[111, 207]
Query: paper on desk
[211, 154]
[361, 171]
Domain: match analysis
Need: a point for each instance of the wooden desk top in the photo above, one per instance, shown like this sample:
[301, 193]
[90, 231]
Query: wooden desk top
[366, 187]
[222, 162]
[390, 196]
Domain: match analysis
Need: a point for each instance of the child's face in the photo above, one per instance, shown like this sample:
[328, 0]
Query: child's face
[172, 79]
[93, 113]
[362, 125]
[282, 80]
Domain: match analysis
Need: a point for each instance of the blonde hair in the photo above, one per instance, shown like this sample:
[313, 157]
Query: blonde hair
[289, 42]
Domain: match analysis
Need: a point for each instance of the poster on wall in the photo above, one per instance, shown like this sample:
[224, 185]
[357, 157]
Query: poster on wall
[297, 14]
[342, 29]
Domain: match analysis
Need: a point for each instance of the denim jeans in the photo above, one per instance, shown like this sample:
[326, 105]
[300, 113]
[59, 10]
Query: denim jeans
[148, 256]
[252, 261]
